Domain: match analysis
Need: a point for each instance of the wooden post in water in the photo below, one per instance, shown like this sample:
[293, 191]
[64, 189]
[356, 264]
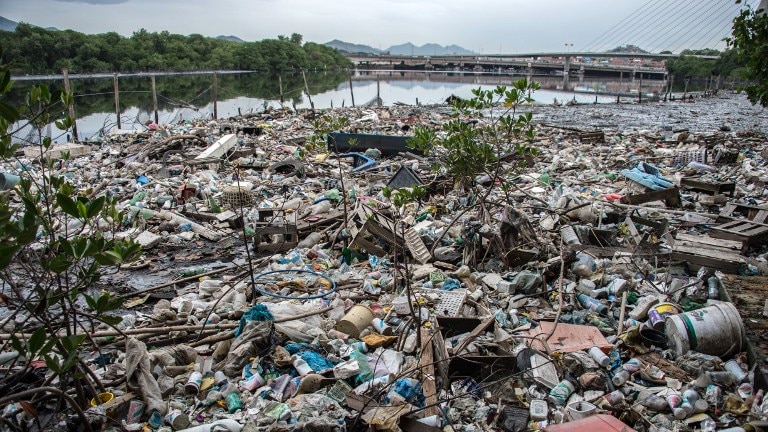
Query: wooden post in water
[621, 83]
[306, 87]
[280, 83]
[685, 90]
[214, 90]
[154, 98]
[669, 87]
[351, 92]
[71, 108]
[378, 91]
[117, 101]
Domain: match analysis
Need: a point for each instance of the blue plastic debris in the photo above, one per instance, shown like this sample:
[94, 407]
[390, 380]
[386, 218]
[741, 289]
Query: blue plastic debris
[258, 312]
[648, 176]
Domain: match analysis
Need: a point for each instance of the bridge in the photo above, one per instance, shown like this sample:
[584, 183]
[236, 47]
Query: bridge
[608, 65]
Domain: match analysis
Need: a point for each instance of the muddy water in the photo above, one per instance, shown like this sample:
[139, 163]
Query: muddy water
[705, 115]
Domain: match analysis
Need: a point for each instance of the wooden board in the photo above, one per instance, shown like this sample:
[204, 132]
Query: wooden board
[427, 364]
[749, 294]
[566, 338]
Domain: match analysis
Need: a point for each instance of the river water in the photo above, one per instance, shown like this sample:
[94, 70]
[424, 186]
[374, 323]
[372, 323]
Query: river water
[191, 96]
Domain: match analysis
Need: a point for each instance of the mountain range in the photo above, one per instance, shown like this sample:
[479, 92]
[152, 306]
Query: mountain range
[430, 49]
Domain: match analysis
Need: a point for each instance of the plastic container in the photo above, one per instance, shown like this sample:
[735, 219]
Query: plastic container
[400, 306]
[193, 383]
[224, 424]
[735, 369]
[8, 181]
[715, 330]
[659, 313]
[355, 321]
[539, 409]
[581, 409]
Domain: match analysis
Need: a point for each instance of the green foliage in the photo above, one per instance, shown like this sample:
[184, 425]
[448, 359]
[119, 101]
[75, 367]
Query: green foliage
[468, 148]
[52, 250]
[750, 40]
[403, 196]
[726, 65]
[37, 50]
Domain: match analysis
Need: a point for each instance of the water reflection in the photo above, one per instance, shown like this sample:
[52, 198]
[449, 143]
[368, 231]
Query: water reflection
[182, 97]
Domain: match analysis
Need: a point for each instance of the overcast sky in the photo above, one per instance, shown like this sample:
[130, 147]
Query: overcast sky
[487, 26]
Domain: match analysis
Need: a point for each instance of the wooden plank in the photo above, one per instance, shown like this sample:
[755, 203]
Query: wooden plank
[671, 197]
[693, 240]
[426, 361]
[718, 254]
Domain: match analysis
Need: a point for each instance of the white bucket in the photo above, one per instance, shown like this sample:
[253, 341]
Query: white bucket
[715, 330]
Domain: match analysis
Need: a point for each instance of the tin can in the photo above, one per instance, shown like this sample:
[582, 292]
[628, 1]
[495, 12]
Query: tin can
[561, 392]
[359, 346]
[193, 383]
[155, 420]
[233, 402]
[381, 327]
[177, 419]
[135, 412]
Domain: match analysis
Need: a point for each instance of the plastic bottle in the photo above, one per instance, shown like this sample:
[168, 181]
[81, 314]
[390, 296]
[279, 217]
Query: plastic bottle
[675, 402]
[620, 377]
[599, 356]
[592, 304]
[652, 401]
[584, 266]
[713, 288]
[301, 366]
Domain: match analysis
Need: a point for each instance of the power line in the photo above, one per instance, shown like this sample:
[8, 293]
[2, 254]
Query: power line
[677, 20]
[698, 29]
[599, 38]
[631, 27]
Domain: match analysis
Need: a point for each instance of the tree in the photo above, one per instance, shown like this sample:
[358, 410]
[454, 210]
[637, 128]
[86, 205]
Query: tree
[52, 253]
[750, 40]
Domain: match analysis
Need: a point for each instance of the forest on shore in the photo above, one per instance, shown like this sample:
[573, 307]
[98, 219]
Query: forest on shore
[35, 50]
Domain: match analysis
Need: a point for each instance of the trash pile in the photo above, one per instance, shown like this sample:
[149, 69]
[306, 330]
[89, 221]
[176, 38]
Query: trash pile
[282, 287]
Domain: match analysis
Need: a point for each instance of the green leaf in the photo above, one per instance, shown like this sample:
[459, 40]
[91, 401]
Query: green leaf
[67, 205]
[110, 320]
[17, 345]
[90, 300]
[95, 206]
[71, 343]
[60, 264]
[52, 364]
[81, 210]
[8, 112]
[37, 340]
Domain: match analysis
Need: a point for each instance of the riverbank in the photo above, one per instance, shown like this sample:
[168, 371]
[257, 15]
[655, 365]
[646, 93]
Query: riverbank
[353, 312]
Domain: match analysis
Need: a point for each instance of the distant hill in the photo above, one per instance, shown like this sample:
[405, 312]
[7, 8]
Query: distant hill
[8, 25]
[429, 49]
[230, 38]
[404, 49]
[351, 48]
[632, 49]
